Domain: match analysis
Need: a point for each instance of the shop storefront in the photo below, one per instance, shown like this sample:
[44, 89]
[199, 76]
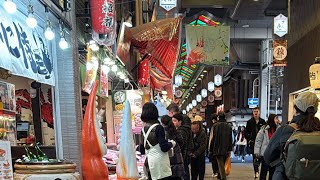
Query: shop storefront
[31, 41]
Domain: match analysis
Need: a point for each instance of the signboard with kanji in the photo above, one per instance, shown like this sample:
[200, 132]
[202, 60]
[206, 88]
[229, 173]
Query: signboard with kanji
[280, 52]
[280, 27]
[168, 5]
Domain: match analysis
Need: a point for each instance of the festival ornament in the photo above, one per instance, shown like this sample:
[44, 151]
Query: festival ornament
[127, 165]
[103, 15]
[93, 147]
[143, 73]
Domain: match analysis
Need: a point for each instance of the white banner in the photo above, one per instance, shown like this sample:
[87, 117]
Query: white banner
[24, 51]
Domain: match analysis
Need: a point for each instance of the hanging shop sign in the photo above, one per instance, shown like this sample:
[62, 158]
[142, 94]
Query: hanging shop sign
[7, 95]
[135, 99]
[280, 26]
[218, 80]
[218, 93]
[208, 45]
[280, 52]
[168, 5]
[24, 52]
[204, 103]
[103, 16]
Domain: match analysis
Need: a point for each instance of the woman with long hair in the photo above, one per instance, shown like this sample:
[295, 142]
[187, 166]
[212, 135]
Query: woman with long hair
[176, 159]
[241, 142]
[306, 106]
[155, 144]
[263, 137]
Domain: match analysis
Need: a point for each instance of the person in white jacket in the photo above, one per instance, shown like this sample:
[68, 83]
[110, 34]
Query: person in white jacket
[261, 143]
[241, 143]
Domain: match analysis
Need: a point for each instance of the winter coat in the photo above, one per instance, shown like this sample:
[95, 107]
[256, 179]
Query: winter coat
[176, 161]
[220, 142]
[273, 153]
[262, 140]
[252, 130]
[186, 134]
[239, 142]
[199, 143]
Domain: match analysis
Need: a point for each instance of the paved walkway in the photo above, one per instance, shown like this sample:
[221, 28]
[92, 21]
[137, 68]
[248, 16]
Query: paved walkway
[239, 171]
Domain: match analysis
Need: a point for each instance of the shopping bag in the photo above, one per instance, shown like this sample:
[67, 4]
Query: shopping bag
[227, 165]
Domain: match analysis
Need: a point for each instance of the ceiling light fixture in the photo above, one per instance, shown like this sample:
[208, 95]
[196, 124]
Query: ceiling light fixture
[63, 42]
[10, 6]
[31, 21]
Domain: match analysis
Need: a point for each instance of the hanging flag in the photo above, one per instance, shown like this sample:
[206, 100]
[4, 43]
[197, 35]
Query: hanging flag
[208, 45]
[104, 70]
[103, 15]
[91, 72]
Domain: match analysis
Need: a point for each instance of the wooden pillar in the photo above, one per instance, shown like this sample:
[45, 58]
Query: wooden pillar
[109, 120]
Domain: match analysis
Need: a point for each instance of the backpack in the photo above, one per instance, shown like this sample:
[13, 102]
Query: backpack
[301, 155]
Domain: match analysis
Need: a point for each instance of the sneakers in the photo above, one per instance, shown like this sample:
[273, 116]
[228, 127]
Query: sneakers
[214, 175]
[256, 175]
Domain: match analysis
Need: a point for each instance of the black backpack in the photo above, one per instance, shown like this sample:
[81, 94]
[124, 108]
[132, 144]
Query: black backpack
[301, 155]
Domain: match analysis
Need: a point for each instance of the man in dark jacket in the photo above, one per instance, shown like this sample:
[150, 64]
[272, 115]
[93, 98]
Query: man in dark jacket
[198, 153]
[220, 143]
[252, 129]
[185, 131]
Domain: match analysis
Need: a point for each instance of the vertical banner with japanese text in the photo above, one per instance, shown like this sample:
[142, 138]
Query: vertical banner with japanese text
[24, 51]
[280, 52]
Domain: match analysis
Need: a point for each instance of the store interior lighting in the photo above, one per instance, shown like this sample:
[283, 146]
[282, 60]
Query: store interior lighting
[93, 46]
[114, 68]
[31, 20]
[10, 6]
[128, 22]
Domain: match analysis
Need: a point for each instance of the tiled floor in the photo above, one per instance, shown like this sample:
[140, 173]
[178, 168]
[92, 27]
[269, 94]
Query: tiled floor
[239, 171]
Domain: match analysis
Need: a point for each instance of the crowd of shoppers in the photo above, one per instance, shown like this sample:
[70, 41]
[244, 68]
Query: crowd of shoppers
[179, 142]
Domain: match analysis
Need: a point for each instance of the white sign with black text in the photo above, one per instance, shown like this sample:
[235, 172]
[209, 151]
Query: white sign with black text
[24, 51]
[280, 25]
[168, 5]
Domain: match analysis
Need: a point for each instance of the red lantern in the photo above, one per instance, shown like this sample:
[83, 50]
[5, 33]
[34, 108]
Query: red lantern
[143, 74]
[103, 17]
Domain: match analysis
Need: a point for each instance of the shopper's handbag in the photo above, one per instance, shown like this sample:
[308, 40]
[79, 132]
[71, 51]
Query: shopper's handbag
[227, 165]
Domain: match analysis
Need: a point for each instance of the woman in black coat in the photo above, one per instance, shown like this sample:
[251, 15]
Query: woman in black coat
[176, 159]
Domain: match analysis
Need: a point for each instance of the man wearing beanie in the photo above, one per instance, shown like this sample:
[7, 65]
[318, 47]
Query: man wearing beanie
[306, 105]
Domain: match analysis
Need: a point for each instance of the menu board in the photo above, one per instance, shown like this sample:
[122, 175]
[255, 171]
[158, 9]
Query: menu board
[6, 171]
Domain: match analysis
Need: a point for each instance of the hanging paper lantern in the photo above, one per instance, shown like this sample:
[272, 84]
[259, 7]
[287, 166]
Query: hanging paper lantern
[143, 73]
[103, 16]
[194, 103]
[199, 98]
[178, 80]
[190, 106]
[211, 86]
[184, 112]
[187, 108]
[314, 77]
[204, 93]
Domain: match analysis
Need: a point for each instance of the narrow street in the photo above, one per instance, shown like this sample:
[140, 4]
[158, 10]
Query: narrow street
[239, 171]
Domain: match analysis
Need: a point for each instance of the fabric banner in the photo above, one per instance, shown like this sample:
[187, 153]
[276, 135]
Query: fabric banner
[91, 74]
[104, 81]
[280, 53]
[24, 52]
[208, 45]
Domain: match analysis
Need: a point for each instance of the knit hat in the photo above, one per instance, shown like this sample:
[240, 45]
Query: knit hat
[197, 118]
[306, 100]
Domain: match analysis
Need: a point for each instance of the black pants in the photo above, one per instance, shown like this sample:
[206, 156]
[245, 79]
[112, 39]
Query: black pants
[215, 167]
[241, 152]
[221, 160]
[186, 162]
[198, 167]
[256, 163]
[264, 170]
